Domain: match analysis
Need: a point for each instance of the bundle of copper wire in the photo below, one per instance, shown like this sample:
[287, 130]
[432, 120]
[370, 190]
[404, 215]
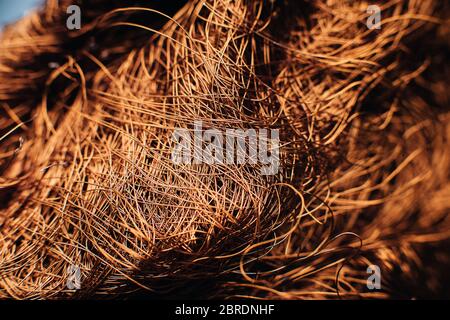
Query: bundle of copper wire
[87, 178]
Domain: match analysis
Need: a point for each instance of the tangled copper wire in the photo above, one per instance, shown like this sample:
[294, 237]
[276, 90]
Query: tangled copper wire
[87, 178]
